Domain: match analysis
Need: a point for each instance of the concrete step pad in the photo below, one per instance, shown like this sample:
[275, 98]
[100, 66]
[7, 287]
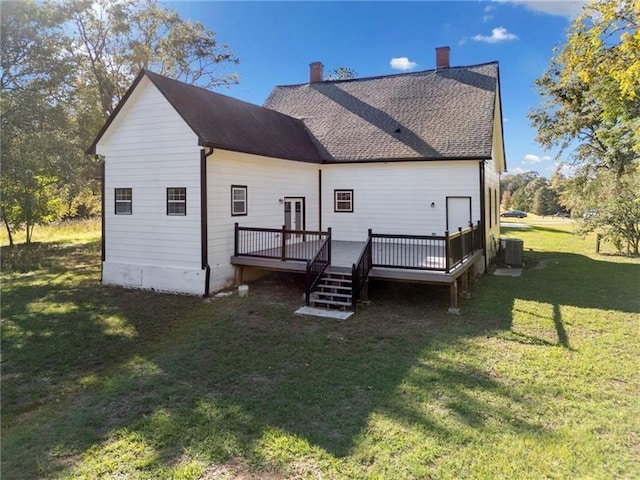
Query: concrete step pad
[323, 313]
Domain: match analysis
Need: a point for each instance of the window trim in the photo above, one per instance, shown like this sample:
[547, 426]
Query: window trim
[116, 201]
[245, 189]
[335, 200]
[178, 202]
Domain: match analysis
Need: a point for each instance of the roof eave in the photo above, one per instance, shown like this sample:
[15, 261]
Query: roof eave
[411, 159]
[216, 145]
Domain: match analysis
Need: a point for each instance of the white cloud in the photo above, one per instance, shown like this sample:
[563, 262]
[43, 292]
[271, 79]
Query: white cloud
[531, 158]
[569, 9]
[402, 63]
[564, 169]
[498, 34]
[488, 16]
[517, 171]
[561, 8]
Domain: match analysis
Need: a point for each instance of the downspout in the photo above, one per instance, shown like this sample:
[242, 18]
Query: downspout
[204, 224]
[483, 216]
[320, 200]
[103, 216]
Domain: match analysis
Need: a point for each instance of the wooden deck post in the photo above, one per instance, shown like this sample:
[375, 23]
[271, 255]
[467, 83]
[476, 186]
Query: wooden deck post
[236, 240]
[239, 274]
[364, 293]
[465, 287]
[329, 253]
[453, 293]
[446, 251]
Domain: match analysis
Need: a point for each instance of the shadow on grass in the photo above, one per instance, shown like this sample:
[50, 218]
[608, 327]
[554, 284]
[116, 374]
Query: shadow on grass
[85, 364]
[507, 227]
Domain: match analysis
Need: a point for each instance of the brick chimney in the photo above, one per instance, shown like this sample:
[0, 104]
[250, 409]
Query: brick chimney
[442, 57]
[315, 72]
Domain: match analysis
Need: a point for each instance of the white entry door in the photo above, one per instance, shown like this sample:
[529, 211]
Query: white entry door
[458, 213]
[294, 213]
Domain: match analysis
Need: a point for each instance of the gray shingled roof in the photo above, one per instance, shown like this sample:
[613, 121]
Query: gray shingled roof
[230, 124]
[434, 114]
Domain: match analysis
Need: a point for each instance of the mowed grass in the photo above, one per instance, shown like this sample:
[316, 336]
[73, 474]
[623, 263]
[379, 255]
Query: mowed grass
[536, 378]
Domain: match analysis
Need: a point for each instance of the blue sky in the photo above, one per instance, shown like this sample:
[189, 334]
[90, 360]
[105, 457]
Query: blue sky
[276, 41]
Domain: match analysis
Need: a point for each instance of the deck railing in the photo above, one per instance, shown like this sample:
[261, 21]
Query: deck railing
[317, 265]
[277, 243]
[425, 252]
[416, 252]
[360, 271]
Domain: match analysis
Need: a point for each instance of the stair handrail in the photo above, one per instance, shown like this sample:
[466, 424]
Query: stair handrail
[360, 271]
[317, 265]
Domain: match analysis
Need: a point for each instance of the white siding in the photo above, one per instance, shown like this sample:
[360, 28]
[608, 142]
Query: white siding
[492, 170]
[396, 197]
[149, 148]
[492, 207]
[268, 180]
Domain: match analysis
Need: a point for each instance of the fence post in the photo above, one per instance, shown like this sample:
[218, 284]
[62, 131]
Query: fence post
[329, 241]
[236, 240]
[446, 250]
[283, 244]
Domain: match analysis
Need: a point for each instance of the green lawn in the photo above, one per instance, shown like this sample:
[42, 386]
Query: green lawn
[536, 378]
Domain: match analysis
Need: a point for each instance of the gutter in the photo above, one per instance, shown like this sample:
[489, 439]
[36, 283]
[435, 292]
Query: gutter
[103, 216]
[204, 227]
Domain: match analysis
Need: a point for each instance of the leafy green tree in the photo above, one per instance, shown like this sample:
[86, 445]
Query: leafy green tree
[65, 66]
[545, 201]
[616, 211]
[519, 200]
[511, 183]
[591, 91]
[506, 200]
[591, 107]
[33, 133]
[114, 39]
[526, 185]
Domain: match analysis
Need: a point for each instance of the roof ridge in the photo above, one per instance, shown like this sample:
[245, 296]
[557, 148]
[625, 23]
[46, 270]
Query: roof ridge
[403, 74]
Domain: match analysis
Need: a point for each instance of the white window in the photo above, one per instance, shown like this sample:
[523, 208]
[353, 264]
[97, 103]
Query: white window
[123, 198]
[343, 200]
[238, 200]
[176, 201]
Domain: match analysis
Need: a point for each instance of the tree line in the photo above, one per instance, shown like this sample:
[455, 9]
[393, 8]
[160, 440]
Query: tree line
[64, 68]
[530, 192]
[590, 110]
[66, 65]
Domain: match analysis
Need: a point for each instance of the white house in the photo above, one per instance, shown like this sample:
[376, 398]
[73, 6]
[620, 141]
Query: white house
[390, 160]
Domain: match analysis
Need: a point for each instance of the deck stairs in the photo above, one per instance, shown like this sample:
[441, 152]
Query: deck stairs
[333, 291]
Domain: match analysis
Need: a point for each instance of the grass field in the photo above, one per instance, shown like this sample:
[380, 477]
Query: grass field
[536, 378]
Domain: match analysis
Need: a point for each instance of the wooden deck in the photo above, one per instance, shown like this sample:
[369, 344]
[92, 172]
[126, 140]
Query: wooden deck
[344, 254]
[443, 260]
